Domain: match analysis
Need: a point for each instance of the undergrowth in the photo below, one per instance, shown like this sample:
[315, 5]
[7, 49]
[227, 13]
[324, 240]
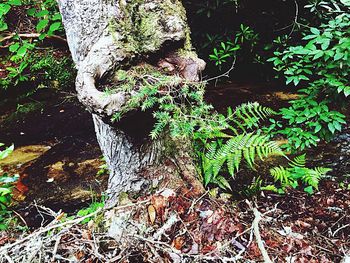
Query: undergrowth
[6, 185]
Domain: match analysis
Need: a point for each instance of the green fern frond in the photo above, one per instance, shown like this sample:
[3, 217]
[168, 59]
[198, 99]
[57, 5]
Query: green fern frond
[296, 171]
[313, 176]
[280, 174]
[244, 146]
[299, 161]
[322, 170]
[250, 115]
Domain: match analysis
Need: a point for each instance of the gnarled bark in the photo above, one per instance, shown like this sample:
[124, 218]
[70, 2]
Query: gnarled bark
[105, 35]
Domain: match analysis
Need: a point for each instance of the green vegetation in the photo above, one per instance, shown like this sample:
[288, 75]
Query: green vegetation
[6, 185]
[234, 140]
[312, 54]
[295, 173]
[27, 65]
[93, 207]
[179, 104]
[321, 66]
[245, 39]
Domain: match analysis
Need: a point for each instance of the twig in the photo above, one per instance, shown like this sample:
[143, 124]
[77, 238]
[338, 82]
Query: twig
[30, 35]
[295, 18]
[196, 201]
[226, 74]
[340, 228]
[168, 224]
[54, 252]
[46, 229]
[261, 246]
[8, 258]
[21, 218]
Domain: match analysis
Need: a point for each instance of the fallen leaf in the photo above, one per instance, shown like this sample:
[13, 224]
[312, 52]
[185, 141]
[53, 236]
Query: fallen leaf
[152, 214]
[178, 242]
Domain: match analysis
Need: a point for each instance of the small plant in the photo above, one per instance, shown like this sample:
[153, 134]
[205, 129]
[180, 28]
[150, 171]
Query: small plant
[102, 169]
[93, 207]
[307, 122]
[179, 104]
[296, 173]
[245, 38]
[235, 140]
[6, 185]
[45, 17]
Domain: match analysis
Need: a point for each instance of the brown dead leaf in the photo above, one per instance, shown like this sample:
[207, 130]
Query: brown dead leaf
[208, 248]
[86, 234]
[3, 240]
[152, 214]
[302, 224]
[159, 203]
[178, 242]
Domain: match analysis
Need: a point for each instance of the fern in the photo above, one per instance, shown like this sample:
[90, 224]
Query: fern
[229, 140]
[249, 115]
[280, 174]
[297, 172]
[245, 147]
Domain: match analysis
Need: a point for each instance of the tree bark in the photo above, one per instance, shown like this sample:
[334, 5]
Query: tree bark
[106, 35]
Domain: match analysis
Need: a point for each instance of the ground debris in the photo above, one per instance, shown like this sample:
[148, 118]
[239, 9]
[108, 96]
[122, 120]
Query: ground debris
[179, 228]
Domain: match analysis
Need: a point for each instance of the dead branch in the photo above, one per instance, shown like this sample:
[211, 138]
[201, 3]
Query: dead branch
[47, 229]
[258, 238]
[225, 74]
[31, 35]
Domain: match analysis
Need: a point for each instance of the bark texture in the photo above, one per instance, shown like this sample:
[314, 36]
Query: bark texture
[105, 35]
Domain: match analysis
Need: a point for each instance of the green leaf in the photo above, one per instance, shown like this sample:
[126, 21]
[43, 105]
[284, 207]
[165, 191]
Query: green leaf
[345, 2]
[337, 125]
[22, 51]
[338, 56]
[315, 31]
[4, 8]
[42, 24]
[318, 54]
[6, 152]
[309, 190]
[42, 13]
[331, 127]
[14, 47]
[31, 11]
[318, 127]
[15, 2]
[56, 17]
[55, 26]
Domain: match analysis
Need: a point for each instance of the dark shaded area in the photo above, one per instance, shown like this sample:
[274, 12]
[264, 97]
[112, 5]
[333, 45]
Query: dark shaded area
[213, 21]
[60, 116]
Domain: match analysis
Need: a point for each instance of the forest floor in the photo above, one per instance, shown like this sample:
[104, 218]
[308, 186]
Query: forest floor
[172, 227]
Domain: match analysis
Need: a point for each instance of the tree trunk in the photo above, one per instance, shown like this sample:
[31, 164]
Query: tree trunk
[106, 35]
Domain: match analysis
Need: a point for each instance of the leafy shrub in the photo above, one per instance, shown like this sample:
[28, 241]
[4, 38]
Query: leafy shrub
[179, 105]
[307, 122]
[321, 65]
[45, 19]
[244, 38]
[6, 184]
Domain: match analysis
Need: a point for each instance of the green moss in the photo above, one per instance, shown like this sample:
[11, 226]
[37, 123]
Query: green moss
[145, 26]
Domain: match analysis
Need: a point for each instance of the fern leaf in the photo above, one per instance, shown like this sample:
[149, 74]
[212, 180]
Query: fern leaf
[250, 114]
[280, 174]
[299, 161]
